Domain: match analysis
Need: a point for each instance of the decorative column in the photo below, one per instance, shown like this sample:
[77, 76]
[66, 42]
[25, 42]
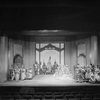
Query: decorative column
[60, 53]
[39, 54]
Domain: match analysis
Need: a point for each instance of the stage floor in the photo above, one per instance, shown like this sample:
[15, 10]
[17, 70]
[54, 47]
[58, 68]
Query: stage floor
[45, 80]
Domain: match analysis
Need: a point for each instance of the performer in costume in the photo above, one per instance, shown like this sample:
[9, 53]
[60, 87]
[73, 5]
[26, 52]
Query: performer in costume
[41, 69]
[23, 72]
[92, 77]
[63, 73]
[44, 67]
[36, 67]
[97, 74]
[82, 73]
[49, 66]
[12, 73]
[87, 74]
[29, 73]
[17, 72]
[54, 67]
[77, 73]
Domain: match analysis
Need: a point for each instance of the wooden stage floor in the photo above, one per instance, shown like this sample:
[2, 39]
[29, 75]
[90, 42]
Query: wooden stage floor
[46, 80]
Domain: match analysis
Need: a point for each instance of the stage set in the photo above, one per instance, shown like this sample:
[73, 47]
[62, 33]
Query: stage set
[50, 50]
[49, 45]
[55, 63]
[48, 75]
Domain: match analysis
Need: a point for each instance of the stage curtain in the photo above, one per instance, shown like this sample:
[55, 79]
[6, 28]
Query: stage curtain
[73, 56]
[88, 50]
[94, 50]
[67, 53]
[29, 54]
[3, 58]
[24, 47]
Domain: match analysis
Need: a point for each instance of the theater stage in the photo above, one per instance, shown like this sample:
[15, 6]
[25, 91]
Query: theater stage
[46, 80]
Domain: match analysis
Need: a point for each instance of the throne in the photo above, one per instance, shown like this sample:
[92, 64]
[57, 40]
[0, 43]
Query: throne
[20, 71]
[18, 61]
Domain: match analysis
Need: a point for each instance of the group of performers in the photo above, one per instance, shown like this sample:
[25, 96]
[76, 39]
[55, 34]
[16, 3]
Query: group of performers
[58, 71]
[45, 69]
[17, 70]
[63, 72]
[20, 73]
[89, 73]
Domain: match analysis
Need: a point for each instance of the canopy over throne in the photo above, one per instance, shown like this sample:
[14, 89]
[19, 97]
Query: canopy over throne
[18, 60]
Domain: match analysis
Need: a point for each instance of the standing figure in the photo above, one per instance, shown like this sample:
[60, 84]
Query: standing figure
[12, 73]
[36, 67]
[29, 73]
[44, 68]
[77, 74]
[17, 73]
[23, 72]
[49, 66]
[83, 73]
[54, 67]
[92, 74]
[92, 77]
[41, 69]
[80, 72]
[87, 73]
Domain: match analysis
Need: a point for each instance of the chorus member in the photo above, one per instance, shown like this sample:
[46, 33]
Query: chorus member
[44, 68]
[97, 74]
[92, 76]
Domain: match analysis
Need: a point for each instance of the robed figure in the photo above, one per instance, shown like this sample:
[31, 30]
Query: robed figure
[49, 66]
[44, 68]
[54, 67]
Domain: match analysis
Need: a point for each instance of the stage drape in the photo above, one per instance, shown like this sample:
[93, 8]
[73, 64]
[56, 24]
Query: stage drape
[3, 58]
[89, 49]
